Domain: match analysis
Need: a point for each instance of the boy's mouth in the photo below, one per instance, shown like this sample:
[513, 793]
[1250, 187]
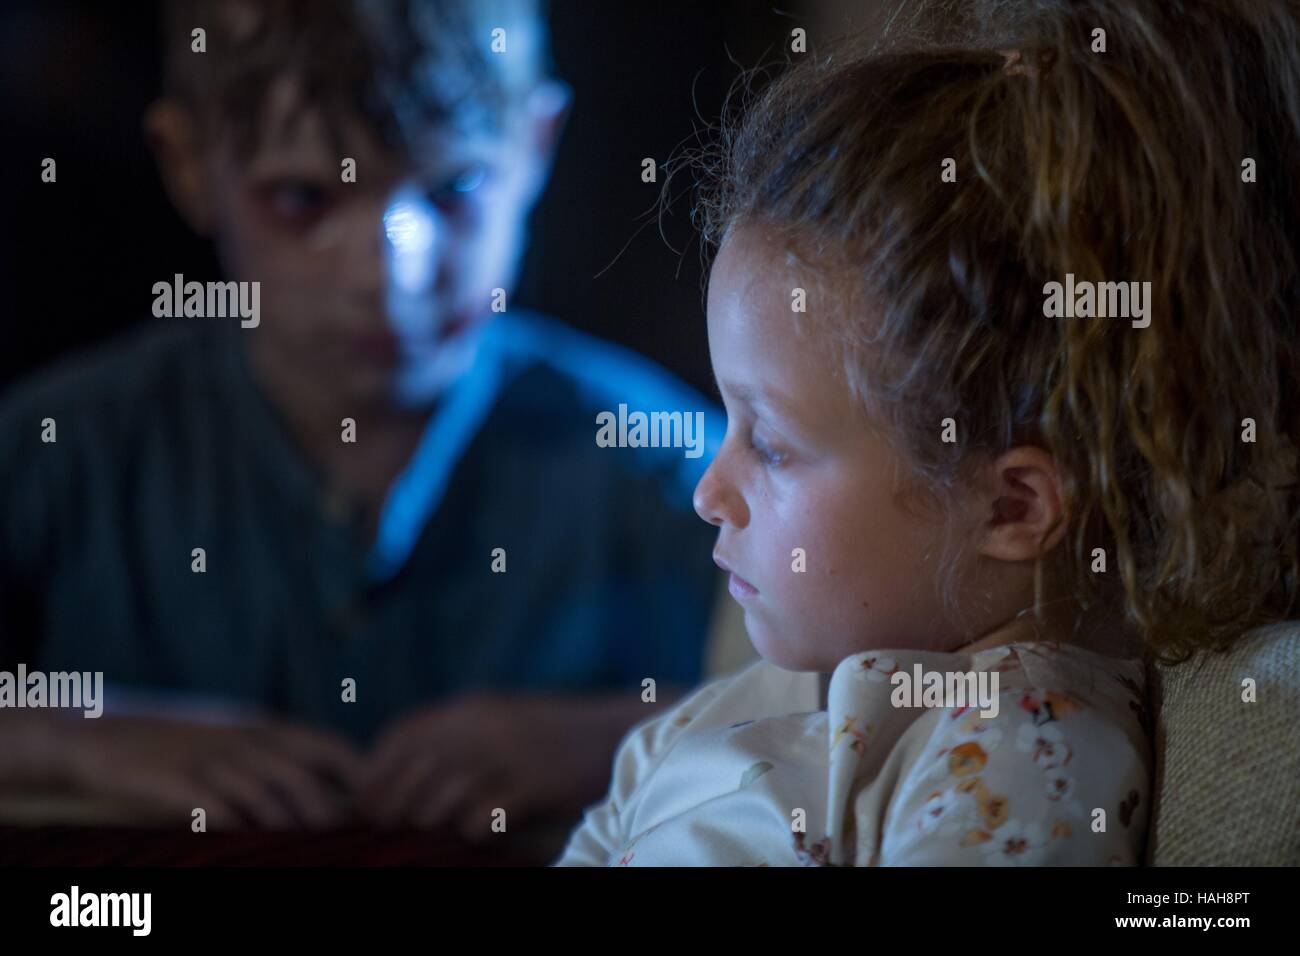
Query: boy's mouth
[740, 588]
[453, 328]
[381, 348]
[387, 349]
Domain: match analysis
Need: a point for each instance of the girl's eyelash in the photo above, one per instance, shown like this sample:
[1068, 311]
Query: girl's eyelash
[765, 455]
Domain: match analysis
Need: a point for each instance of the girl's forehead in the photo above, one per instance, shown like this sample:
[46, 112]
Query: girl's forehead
[764, 350]
[757, 272]
[752, 268]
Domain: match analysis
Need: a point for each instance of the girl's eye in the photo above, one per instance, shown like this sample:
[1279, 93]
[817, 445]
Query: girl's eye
[768, 457]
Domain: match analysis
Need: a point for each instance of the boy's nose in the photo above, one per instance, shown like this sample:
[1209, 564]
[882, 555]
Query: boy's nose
[364, 268]
[411, 233]
[717, 501]
[355, 248]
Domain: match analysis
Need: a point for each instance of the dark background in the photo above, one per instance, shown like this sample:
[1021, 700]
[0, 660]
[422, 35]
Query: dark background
[86, 250]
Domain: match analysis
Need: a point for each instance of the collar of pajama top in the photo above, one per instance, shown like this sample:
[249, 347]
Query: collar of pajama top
[506, 344]
[863, 721]
[724, 793]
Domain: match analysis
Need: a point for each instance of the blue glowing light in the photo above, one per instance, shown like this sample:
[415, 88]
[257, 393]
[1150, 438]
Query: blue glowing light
[411, 227]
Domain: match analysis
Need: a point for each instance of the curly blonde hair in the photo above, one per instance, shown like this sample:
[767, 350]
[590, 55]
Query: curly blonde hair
[1123, 165]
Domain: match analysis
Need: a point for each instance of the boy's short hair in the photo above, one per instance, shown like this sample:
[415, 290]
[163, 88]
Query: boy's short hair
[402, 67]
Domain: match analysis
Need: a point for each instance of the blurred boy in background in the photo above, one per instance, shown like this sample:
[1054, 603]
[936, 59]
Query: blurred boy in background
[424, 592]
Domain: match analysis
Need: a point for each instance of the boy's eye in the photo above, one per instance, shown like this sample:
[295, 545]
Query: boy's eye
[296, 200]
[458, 188]
[469, 180]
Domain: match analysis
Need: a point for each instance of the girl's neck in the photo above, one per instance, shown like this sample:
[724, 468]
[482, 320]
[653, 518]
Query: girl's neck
[1101, 629]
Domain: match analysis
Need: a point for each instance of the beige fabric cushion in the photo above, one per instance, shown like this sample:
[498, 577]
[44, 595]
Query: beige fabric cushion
[1228, 772]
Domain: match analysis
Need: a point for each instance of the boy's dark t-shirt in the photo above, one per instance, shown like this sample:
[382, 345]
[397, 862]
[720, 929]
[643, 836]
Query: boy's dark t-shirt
[165, 444]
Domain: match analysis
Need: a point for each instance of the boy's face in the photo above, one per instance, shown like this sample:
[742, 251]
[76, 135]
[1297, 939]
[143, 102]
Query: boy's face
[801, 467]
[374, 287]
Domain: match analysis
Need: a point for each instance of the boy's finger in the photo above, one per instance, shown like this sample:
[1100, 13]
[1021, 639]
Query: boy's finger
[445, 800]
[394, 754]
[247, 794]
[323, 751]
[182, 796]
[389, 796]
[309, 796]
[387, 757]
[444, 729]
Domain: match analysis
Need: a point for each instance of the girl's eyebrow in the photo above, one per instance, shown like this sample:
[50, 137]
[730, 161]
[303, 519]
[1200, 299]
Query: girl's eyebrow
[760, 398]
[745, 393]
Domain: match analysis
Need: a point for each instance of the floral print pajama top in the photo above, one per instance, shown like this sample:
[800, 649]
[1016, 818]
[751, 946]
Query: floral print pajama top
[756, 769]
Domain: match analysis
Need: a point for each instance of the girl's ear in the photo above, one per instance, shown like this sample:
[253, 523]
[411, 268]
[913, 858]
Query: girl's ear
[1023, 505]
[173, 137]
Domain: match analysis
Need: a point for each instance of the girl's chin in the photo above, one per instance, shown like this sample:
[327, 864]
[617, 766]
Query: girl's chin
[779, 648]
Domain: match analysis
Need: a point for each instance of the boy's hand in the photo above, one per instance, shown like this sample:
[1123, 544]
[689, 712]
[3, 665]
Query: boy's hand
[455, 763]
[265, 773]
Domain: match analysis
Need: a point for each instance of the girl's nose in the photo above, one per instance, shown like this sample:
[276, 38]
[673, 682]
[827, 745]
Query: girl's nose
[716, 499]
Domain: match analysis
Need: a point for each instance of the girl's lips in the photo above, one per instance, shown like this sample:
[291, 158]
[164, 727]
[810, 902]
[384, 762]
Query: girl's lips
[738, 586]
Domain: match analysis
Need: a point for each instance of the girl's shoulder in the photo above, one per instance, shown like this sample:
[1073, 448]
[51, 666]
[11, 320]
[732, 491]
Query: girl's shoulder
[759, 690]
[1066, 745]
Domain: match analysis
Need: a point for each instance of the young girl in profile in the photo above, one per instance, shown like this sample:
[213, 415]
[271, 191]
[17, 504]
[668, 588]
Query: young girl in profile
[925, 466]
